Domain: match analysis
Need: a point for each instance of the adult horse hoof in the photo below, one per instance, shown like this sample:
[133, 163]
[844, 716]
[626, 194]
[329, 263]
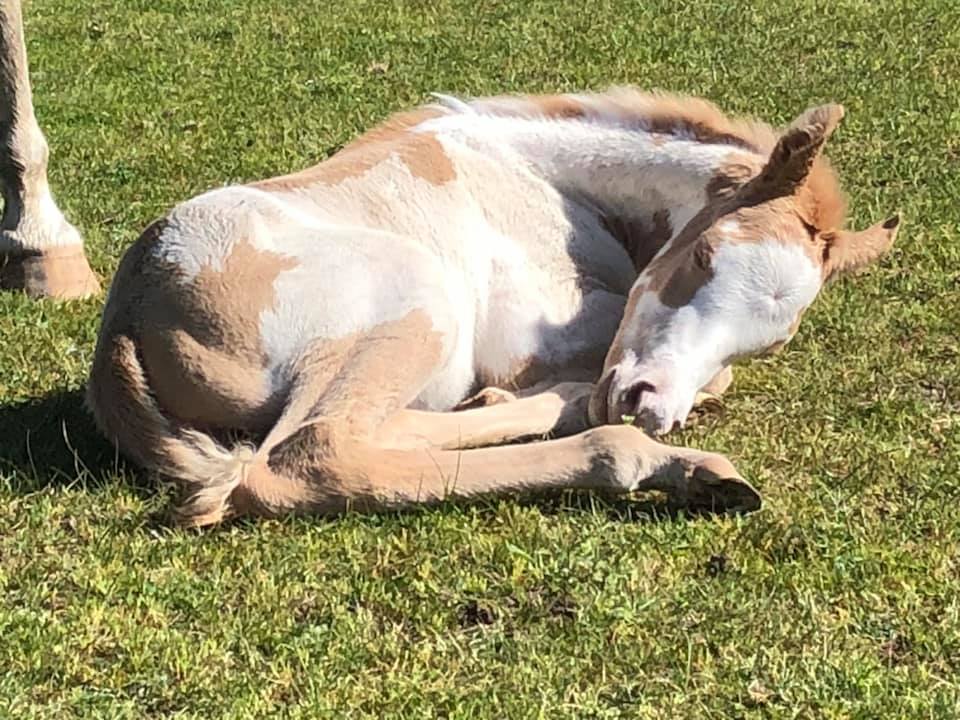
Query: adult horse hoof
[61, 273]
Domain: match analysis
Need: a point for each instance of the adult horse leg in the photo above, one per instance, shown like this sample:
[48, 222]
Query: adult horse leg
[40, 252]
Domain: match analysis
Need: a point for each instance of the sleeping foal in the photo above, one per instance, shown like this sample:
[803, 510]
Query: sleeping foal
[583, 257]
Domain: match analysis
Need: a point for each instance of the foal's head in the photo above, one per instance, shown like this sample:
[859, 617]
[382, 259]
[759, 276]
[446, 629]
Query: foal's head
[735, 281]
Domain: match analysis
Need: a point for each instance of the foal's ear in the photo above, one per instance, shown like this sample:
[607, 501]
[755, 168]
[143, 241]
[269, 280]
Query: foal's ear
[846, 251]
[798, 146]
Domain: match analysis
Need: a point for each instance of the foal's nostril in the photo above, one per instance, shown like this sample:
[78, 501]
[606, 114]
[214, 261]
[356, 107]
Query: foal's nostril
[630, 398]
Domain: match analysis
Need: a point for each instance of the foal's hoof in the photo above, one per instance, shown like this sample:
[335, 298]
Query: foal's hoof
[705, 404]
[61, 272]
[485, 398]
[715, 487]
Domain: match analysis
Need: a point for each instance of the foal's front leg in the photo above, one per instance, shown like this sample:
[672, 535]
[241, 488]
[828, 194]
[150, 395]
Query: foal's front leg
[530, 412]
[350, 442]
[708, 398]
[559, 411]
[493, 395]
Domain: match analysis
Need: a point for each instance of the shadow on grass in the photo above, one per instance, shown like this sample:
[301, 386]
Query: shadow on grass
[53, 442]
[648, 507]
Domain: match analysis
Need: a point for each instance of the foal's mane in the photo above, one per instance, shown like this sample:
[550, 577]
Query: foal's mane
[657, 112]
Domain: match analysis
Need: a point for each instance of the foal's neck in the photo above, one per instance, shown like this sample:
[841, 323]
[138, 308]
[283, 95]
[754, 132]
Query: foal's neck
[644, 185]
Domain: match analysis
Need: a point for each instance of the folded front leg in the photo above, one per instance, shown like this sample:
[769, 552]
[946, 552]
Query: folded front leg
[558, 412]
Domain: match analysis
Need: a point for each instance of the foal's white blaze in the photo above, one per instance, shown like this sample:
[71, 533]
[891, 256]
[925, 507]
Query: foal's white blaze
[756, 294]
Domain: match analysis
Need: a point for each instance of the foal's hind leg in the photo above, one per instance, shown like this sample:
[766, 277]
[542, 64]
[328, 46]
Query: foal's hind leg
[329, 474]
[343, 453]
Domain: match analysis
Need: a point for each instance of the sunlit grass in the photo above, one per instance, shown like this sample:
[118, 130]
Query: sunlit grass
[839, 599]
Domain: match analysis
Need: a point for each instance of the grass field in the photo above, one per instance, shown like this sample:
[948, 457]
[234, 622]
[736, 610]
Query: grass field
[841, 598]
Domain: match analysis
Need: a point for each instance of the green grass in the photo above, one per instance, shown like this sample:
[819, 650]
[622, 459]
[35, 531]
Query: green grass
[839, 599]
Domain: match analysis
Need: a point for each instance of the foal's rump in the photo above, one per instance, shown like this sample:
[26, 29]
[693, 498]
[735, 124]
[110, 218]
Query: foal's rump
[216, 320]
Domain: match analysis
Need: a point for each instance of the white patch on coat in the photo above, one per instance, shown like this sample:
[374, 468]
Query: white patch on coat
[757, 292]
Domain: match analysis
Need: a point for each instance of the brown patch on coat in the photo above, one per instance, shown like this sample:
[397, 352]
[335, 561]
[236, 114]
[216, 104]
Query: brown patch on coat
[422, 154]
[394, 127]
[201, 344]
[678, 289]
[207, 387]
[221, 307]
[642, 239]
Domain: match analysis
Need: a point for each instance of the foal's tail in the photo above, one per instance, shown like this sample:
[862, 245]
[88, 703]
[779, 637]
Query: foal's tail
[208, 474]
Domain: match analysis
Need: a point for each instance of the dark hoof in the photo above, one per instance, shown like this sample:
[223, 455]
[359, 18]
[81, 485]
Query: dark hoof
[709, 492]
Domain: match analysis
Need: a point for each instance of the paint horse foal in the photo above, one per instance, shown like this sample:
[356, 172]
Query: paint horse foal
[337, 314]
